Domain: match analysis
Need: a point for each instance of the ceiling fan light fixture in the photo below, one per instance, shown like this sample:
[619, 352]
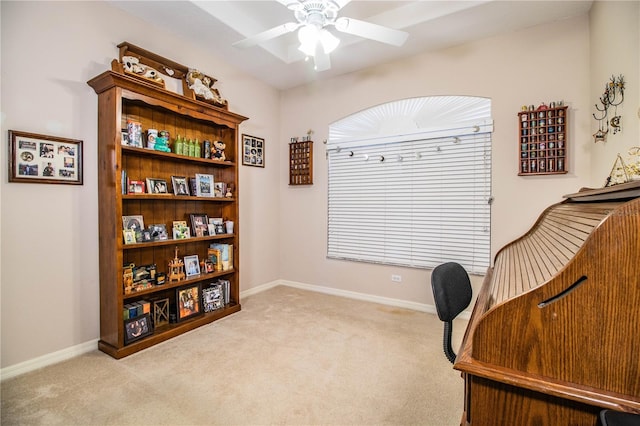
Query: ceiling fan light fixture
[308, 36]
[329, 41]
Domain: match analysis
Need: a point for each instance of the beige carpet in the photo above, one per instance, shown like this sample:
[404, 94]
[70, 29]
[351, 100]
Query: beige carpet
[290, 357]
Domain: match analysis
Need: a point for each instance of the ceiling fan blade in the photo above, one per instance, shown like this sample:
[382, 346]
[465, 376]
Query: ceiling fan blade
[266, 35]
[339, 3]
[290, 4]
[321, 60]
[371, 31]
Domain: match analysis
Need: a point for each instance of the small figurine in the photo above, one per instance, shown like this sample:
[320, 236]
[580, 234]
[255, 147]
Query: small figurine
[217, 151]
[229, 193]
[161, 145]
[132, 65]
[176, 268]
[202, 86]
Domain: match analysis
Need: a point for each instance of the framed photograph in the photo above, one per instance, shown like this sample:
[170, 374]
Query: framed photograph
[180, 185]
[129, 236]
[199, 224]
[180, 230]
[188, 302]
[157, 186]
[219, 189]
[37, 158]
[159, 232]
[204, 185]
[218, 225]
[136, 187]
[136, 223]
[252, 151]
[137, 328]
[212, 298]
[192, 265]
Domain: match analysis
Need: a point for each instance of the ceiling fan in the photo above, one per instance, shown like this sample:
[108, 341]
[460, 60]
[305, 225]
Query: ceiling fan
[313, 16]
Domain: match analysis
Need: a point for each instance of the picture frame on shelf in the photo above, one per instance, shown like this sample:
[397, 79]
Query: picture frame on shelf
[35, 158]
[159, 232]
[180, 230]
[157, 186]
[136, 187]
[188, 302]
[129, 236]
[124, 137]
[212, 298]
[219, 189]
[204, 185]
[137, 328]
[253, 149]
[134, 222]
[218, 225]
[192, 265]
[180, 185]
[199, 224]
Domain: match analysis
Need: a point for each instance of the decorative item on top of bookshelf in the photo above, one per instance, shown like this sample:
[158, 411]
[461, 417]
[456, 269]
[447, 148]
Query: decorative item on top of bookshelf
[157, 186]
[180, 186]
[204, 185]
[543, 139]
[301, 163]
[137, 328]
[252, 151]
[188, 302]
[35, 158]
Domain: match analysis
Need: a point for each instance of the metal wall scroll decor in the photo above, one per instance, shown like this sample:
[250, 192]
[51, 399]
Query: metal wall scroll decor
[612, 97]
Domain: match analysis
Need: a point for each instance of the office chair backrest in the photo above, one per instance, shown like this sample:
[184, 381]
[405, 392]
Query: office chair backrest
[452, 294]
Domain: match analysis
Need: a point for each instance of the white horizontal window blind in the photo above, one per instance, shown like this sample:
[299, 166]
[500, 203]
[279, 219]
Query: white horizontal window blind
[416, 199]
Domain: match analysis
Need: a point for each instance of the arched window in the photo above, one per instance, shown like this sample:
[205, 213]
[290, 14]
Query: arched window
[410, 183]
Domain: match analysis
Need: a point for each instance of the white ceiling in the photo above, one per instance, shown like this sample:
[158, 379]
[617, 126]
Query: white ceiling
[216, 25]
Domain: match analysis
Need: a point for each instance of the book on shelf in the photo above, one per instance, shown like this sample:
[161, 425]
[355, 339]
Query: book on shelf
[226, 255]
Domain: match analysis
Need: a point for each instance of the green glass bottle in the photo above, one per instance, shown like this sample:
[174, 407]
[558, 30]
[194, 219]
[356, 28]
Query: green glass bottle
[179, 145]
[192, 148]
[198, 149]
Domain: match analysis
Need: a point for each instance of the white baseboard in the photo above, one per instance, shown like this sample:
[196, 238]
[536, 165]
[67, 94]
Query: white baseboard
[421, 307]
[48, 359]
[64, 354]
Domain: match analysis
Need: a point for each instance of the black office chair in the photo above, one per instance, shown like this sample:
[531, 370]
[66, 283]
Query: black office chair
[618, 418]
[452, 294]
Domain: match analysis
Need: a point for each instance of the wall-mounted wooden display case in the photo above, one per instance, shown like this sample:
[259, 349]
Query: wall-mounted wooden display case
[543, 141]
[301, 163]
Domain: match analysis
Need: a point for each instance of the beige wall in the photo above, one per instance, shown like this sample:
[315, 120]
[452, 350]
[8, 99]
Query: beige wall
[48, 251]
[541, 64]
[49, 274]
[615, 50]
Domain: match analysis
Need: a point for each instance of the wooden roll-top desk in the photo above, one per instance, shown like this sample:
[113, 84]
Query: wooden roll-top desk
[554, 336]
